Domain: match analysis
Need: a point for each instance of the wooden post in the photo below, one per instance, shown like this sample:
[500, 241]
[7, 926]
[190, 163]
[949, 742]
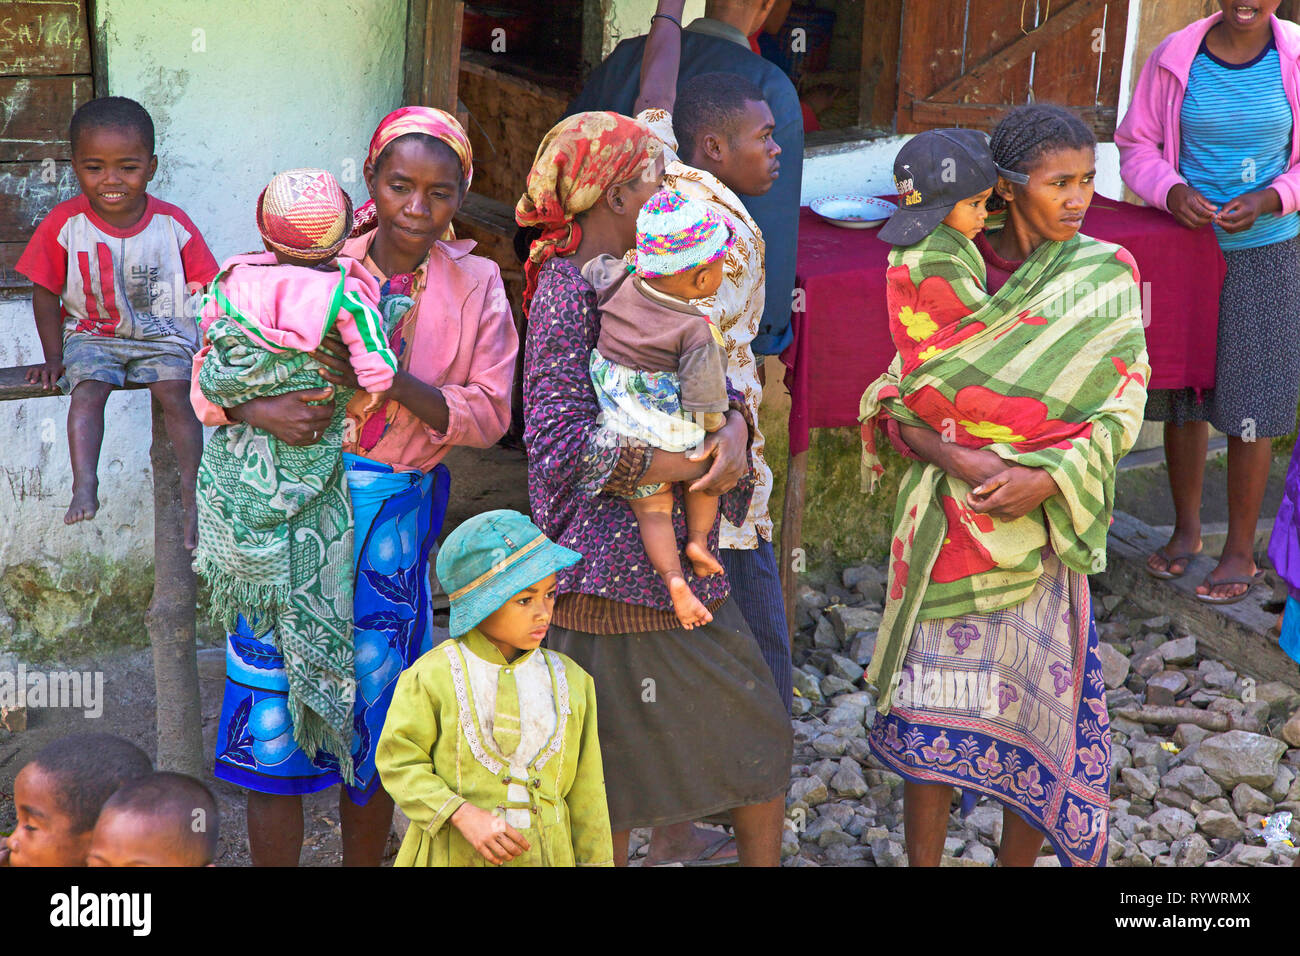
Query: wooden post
[796, 488]
[170, 618]
[442, 29]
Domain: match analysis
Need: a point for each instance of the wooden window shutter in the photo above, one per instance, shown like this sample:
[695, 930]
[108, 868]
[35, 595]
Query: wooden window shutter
[45, 74]
[966, 63]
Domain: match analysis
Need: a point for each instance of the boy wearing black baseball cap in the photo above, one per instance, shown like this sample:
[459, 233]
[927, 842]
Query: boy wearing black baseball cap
[942, 176]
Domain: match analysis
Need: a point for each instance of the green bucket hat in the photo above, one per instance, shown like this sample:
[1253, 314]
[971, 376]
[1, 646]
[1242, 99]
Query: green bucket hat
[489, 559]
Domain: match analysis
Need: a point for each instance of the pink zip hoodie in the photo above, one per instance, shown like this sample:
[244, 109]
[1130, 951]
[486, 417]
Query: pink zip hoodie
[1148, 137]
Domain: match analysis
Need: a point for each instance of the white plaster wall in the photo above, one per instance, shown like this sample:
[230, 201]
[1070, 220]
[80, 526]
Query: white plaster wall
[238, 89]
[867, 169]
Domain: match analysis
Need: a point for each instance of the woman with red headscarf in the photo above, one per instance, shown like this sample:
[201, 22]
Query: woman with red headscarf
[448, 320]
[691, 725]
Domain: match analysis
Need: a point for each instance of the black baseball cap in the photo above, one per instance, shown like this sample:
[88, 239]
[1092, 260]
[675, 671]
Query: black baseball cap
[933, 172]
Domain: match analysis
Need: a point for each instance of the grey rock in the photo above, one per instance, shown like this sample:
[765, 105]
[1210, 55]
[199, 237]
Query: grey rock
[978, 853]
[1148, 753]
[846, 713]
[1149, 664]
[825, 832]
[1281, 698]
[842, 813]
[1290, 731]
[806, 684]
[847, 781]
[1112, 601]
[1158, 623]
[1216, 675]
[1247, 801]
[789, 844]
[857, 824]
[824, 769]
[1162, 688]
[1185, 735]
[806, 730]
[810, 597]
[1240, 757]
[862, 647]
[1141, 781]
[842, 666]
[887, 852]
[952, 845]
[986, 820]
[1120, 757]
[1172, 824]
[1181, 650]
[1193, 781]
[1216, 823]
[848, 621]
[1114, 666]
[865, 575]
[829, 745]
[1128, 728]
[832, 685]
[1166, 797]
[809, 790]
[1125, 824]
[824, 635]
[1153, 848]
[858, 748]
[847, 855]
[1280, 788]
[800, 705]
[1219, 803]
[1247, 855]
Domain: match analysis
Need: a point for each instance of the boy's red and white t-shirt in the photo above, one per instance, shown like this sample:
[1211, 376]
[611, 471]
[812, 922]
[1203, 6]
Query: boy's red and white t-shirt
[125, 283]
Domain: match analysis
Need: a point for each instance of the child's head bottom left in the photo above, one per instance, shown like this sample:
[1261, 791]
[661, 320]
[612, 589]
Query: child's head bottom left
[59, 794]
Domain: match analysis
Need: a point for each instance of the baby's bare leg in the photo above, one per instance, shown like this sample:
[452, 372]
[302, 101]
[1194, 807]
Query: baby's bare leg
[85, 435]
[701, 513]
[186, 436]
[654, 517]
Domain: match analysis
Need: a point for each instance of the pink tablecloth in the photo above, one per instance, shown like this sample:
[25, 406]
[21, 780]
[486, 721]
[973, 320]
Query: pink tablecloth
[841, 335]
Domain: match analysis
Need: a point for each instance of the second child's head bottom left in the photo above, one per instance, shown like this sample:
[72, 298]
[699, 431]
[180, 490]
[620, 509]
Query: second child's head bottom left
[499, 571]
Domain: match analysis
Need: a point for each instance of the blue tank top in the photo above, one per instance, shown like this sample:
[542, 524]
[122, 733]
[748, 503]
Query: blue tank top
[1236, 138]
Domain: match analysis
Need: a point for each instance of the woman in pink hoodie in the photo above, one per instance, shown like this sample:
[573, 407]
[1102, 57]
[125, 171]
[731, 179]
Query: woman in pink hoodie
[1212, 137]
[448, 321]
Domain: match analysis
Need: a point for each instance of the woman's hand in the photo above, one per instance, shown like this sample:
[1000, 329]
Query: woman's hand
[289, 417]
[971, 465]
[496, 841]
[1189, 207]
[1012, 493]
[1240, 214]
[728, 448]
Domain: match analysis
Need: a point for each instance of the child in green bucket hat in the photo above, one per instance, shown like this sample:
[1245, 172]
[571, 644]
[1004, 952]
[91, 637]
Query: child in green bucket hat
[490, 745]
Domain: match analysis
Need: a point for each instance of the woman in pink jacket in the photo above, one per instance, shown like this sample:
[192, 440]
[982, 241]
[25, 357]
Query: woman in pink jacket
[449, 323]
[1212, 137]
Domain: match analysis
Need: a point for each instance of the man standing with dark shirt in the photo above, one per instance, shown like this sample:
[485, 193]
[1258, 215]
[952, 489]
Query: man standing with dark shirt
[718, 42]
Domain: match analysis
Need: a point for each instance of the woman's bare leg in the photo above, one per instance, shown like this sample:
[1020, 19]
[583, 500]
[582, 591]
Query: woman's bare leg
[365, 829]
[274, 828]
[1248, 464]
[1185, 447]
[622, 839]
[1021, 843]
[926, 807]
[758, 832]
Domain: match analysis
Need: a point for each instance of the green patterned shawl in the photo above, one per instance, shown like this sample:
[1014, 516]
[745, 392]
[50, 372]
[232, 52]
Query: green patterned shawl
[1050, 372]
[275, 534]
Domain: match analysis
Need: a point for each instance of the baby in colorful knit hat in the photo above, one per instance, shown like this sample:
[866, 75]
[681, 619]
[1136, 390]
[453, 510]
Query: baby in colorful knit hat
[660, 371]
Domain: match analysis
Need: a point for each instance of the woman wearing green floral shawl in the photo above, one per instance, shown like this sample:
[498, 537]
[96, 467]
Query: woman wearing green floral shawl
[1023, 395]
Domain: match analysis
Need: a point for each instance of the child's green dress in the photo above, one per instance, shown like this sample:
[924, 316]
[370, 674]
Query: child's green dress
[438, 751]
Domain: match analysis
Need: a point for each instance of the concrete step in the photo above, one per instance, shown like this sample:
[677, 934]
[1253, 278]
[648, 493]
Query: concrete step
[1236, 634]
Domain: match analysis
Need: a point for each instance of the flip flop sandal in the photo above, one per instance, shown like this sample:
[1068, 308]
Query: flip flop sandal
[710, 858]
[1167, 575]
[1249, 580]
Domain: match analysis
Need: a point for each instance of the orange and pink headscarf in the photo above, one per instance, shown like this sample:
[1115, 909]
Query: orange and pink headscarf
[581, 157]
[415, 119]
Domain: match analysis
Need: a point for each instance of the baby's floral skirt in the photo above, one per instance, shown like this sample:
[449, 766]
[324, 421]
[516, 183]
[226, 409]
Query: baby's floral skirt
[398, 518]
[645, 406]
[1011, 704]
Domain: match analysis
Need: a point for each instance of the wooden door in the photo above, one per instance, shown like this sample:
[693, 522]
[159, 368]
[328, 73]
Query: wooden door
[45, 74]
[965, 62]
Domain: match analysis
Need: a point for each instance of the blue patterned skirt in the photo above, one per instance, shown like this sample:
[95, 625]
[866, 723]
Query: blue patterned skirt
[1012, 704]
[398, 517]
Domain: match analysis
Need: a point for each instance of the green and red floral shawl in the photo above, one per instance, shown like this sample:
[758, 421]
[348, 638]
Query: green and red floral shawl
[1049, 372]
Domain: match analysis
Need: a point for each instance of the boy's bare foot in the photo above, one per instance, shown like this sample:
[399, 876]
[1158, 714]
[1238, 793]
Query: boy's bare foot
[702, 560]
[690, 611]
[84, 505]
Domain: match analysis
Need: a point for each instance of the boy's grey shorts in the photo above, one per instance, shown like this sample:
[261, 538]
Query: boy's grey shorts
[105, 358]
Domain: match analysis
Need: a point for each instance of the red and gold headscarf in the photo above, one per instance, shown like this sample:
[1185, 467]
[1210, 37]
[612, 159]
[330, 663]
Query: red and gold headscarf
[581, 157]
[415, 119]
